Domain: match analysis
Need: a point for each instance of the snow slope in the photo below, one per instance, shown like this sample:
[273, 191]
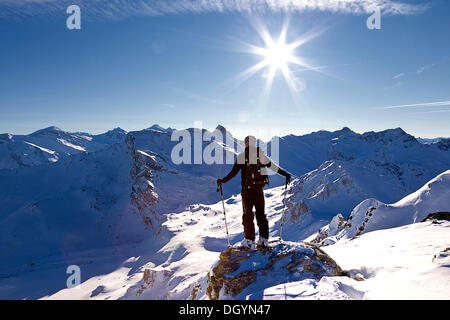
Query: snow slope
[372, 214]
[196, 237]
[317, 196]
[408, 262]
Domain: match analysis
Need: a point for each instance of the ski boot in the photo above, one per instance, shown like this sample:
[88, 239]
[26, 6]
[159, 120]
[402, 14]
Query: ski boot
[248, 244]
[263, 245]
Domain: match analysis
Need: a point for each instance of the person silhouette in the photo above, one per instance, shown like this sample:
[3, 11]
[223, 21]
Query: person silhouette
[253, 164]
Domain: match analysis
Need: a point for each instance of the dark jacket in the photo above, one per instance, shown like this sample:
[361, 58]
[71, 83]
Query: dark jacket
[252, 156]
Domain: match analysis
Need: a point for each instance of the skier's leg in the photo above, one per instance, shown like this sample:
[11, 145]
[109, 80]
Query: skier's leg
[248, 217]
[261, 219]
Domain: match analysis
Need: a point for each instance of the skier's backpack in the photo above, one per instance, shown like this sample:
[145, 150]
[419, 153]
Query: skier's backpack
[251, 173]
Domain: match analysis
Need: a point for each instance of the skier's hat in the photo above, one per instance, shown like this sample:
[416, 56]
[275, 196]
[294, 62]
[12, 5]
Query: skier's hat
[250, 141]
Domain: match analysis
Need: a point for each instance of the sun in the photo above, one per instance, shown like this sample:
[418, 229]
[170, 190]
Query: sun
[277, 56]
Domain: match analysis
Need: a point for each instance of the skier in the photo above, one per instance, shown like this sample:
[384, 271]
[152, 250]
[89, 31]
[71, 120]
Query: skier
[253, 164]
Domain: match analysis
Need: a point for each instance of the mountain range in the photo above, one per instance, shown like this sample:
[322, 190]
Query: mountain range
[100, 200]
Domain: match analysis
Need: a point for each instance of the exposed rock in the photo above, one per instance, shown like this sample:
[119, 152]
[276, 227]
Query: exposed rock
[441, 255]
[143, 196]
[438, 216]
[151, 278]
[361, 228]
[336, 224]
[148, 281]
[296, 210]
[239, 268]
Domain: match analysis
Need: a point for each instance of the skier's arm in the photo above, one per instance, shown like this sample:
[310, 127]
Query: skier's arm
[275, 168]
[272, 166]
[232, 173]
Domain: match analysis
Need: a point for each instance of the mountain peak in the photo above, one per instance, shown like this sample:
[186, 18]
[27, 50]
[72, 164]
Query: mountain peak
[117, 130]
[6, 137]
[157, 127]
[399, 131]
[394, 132]
[346, 129]
[52, 129]
[389, 134]
[221, 128]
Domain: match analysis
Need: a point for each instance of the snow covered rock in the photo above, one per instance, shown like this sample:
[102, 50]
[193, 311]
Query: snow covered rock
[242, 273]
[322, 191]
[143, 195]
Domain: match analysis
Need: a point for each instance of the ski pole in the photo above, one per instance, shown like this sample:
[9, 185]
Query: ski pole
[284, 206]
[224, 214]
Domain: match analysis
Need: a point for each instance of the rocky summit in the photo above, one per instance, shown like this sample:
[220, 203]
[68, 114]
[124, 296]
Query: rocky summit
[240, 271]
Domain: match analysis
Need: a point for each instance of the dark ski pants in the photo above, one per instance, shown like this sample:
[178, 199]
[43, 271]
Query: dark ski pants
[254, 198]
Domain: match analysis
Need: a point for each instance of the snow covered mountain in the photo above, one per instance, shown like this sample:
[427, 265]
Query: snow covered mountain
[385, 165]
[373, 155]
[118, 206]
[431, 140]
[371, 214]
[50, 145]
[317, 196]
[105, 198]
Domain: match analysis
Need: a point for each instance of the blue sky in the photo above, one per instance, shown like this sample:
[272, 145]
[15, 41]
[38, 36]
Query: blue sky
[177, 64]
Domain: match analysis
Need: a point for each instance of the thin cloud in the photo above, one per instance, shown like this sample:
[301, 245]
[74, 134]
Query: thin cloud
[427, 104]
[310, 69]
[120, 9]
[198, 97]
[434, 111]
[417, 72]
[400, 75]
[422, 69]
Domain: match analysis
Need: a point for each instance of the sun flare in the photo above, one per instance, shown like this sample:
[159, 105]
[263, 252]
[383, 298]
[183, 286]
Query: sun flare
[278, 55]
